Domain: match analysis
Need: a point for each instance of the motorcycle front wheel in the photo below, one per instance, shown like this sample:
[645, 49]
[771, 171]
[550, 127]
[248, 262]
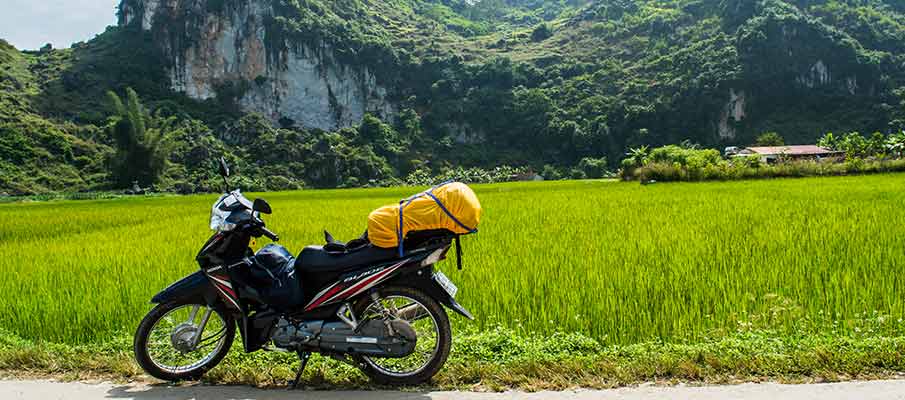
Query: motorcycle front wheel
[179, 341]
[431, 325]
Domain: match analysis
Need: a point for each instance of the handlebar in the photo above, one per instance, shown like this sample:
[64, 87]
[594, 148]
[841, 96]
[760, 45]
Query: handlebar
[270, 235]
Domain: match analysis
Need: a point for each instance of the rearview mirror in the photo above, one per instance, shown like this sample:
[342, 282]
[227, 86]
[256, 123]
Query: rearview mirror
[261, 206]
[224, 168]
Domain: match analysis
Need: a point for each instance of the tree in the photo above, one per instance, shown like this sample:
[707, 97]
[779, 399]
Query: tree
[829, 141]
[898, 115]
[594, 168]
[141, 151]
[541, 33]
[854, 145]
[635, 158]
[896, 144]
[408, 125]
[382, 137]
[770, 139]
[876, 145]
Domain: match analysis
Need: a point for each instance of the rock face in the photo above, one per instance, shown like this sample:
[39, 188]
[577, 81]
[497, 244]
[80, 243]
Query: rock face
[220, 48]
[734, 109]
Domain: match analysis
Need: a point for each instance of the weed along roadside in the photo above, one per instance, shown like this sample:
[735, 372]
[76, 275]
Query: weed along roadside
[708, 282]
[501, 359]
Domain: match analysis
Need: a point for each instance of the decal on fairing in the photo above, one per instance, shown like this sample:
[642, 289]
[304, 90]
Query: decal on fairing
[225, 288]
[352, 286]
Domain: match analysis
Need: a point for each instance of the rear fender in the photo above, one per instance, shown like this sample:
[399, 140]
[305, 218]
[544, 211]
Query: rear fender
[195, 288]
[424, 281]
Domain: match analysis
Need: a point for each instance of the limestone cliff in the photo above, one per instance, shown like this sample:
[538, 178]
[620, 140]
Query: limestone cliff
[223, 48]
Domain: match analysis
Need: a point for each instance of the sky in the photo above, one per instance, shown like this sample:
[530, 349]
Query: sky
[29, 24]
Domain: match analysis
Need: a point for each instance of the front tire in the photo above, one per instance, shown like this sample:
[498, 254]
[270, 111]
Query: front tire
[157, 331]
[442, 331]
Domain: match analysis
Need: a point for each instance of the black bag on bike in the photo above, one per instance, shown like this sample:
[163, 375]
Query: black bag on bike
[274, 269]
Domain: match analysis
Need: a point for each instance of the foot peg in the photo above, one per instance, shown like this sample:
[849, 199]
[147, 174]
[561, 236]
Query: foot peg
[303, 356]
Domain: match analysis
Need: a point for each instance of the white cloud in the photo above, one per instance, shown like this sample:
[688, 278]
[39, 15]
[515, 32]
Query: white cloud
[29, 24]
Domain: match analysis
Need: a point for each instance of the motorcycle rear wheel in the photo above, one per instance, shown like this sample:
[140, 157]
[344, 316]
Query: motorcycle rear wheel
[150, 344]
[441, 332]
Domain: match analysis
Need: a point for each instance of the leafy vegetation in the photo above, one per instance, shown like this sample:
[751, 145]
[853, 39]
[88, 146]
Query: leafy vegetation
[539, 85]
[687, 162]
[790, 249]
[877, 146]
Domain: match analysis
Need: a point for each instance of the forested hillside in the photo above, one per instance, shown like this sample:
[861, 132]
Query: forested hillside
[416, 88]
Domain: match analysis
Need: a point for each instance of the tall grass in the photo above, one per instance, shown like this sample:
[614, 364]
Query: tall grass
[620, 262]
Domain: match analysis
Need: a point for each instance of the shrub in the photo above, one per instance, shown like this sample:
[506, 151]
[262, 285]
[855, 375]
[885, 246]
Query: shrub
[752, 161]
[551, 173]
[576, 173]
[184, 187]
[594, 168]
[686, 157]
[424, 176]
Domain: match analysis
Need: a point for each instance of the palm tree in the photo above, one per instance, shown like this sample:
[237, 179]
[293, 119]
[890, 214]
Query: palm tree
[142, 144]
[637, 155]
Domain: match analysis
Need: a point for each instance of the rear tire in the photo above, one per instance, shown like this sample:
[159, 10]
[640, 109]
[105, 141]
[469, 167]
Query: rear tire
[444, 341]
[143, 356]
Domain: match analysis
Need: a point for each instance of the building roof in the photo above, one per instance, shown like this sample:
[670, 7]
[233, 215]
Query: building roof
[805, 150]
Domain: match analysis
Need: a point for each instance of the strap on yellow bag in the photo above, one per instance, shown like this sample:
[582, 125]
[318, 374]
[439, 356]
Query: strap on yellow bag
[451, 205]
[400, 234]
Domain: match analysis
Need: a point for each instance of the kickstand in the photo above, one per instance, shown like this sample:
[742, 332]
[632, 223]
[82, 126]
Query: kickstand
[303, 356]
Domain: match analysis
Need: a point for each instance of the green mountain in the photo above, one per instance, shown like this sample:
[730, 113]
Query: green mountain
[329, 93]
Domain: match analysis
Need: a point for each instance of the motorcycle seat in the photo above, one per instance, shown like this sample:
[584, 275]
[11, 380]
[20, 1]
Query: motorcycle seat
[316, 259]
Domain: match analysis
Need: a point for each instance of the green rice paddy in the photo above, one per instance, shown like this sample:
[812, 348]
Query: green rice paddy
[620, 262]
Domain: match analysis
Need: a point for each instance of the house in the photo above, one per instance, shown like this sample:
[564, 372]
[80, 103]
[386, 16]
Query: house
[773, 154]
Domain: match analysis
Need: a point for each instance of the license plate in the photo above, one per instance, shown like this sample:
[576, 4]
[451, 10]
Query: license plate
[446, 284]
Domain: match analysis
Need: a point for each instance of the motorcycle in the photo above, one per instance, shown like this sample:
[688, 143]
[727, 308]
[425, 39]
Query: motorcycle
[371, 307]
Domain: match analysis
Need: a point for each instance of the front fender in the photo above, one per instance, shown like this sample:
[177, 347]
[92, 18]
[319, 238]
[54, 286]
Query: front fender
[195, 287]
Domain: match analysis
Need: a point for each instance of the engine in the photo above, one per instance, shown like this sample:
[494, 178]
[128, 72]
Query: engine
[375, 338]
[292, 336]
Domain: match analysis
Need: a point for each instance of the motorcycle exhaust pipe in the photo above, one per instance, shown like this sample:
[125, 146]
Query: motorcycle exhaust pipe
[412, 312]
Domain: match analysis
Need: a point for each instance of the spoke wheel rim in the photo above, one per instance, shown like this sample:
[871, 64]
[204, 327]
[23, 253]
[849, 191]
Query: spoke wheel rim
[160, 347]
[428, 336]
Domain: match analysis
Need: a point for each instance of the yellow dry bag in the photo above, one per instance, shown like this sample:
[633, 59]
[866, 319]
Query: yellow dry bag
[452, 206]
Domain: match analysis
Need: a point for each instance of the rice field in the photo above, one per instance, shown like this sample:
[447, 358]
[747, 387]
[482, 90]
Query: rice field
[620, 262]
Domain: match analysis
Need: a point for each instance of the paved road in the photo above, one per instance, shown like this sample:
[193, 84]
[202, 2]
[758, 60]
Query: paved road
[46, 390]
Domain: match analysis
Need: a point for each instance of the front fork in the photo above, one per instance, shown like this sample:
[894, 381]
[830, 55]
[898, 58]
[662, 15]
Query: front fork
[206, 317]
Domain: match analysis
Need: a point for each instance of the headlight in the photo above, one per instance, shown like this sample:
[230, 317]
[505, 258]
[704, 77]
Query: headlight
[218, 216]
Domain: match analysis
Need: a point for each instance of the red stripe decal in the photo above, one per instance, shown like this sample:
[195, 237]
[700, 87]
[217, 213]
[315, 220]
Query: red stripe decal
[369, 280]
[233, 302]
[324, 298]
[332, 295]
[227, 289]
[363, 284]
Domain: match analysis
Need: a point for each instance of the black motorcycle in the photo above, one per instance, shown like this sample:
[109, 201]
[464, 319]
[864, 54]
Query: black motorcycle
[374, 308]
